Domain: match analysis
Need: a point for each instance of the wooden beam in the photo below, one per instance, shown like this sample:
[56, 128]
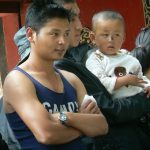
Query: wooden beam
[11, 0]
[9, 7]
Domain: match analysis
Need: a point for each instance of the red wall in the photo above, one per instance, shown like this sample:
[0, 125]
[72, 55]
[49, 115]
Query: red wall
[10, 27]
[23, 9]
[132, 10]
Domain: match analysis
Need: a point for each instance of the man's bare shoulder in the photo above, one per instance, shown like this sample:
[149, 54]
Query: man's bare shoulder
[16, 82]
[69, 75]
[14, 77]
[72, 78]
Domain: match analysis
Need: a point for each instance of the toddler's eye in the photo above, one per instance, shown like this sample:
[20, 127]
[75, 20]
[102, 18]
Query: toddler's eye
[117, 35]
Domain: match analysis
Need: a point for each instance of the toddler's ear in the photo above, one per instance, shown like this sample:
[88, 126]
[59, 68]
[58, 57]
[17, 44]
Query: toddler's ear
[124, 37]
[92, 37]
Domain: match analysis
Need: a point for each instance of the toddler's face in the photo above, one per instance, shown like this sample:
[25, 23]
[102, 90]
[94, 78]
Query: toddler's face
[109, 36]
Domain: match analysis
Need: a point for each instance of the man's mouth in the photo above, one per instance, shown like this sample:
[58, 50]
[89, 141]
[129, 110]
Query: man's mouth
[60, 51]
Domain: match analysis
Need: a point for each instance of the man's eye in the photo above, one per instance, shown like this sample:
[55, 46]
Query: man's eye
[54, 34]
[104, 35]
[73, 19]
[67, 34]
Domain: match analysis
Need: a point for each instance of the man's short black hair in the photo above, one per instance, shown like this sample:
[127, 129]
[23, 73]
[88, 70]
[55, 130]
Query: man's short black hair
[41, 11]
[142, 49]
[62, 2]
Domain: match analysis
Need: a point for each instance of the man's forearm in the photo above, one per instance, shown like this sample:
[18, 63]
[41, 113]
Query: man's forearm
[62, 133]
[89, 124]
[65, 134]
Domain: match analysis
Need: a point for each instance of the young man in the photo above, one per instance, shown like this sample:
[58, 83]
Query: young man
[24, 50]
[122, 115]
[43, 104]
[76, 27]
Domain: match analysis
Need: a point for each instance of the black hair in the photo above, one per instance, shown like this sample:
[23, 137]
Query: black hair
[142, 53]
[143, 37]
[62, 2]
[41, 11]
[142, 49]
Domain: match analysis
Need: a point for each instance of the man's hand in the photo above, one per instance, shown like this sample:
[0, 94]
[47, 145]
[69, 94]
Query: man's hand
[90, 107]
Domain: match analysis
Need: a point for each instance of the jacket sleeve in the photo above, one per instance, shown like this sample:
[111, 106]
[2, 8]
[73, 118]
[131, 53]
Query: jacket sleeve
[116, 111]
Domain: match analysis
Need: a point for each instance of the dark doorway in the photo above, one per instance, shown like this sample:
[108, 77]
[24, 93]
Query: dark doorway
[3, 60]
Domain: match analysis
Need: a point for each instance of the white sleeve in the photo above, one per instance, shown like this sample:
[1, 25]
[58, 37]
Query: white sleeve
[98, 67]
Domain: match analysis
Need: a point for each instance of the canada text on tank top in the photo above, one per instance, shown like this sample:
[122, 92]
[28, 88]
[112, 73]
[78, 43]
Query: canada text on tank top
[53, 101]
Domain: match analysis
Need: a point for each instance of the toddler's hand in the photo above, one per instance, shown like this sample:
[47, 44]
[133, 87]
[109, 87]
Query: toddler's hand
[147, 91]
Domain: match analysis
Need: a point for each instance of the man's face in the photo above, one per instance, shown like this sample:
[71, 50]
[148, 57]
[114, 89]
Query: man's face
[52, 41]
[75, 24]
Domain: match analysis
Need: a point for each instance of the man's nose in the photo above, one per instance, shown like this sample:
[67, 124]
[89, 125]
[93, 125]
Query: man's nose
[61, 40]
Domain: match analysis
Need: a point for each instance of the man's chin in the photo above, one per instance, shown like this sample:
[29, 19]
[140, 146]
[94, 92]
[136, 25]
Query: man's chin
[75, 44]
[59, 58]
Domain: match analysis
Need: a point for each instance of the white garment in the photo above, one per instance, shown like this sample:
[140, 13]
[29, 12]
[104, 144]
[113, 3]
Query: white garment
[103, 67]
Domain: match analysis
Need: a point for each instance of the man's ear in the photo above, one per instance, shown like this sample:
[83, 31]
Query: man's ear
[92, 37]
[30, 33]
